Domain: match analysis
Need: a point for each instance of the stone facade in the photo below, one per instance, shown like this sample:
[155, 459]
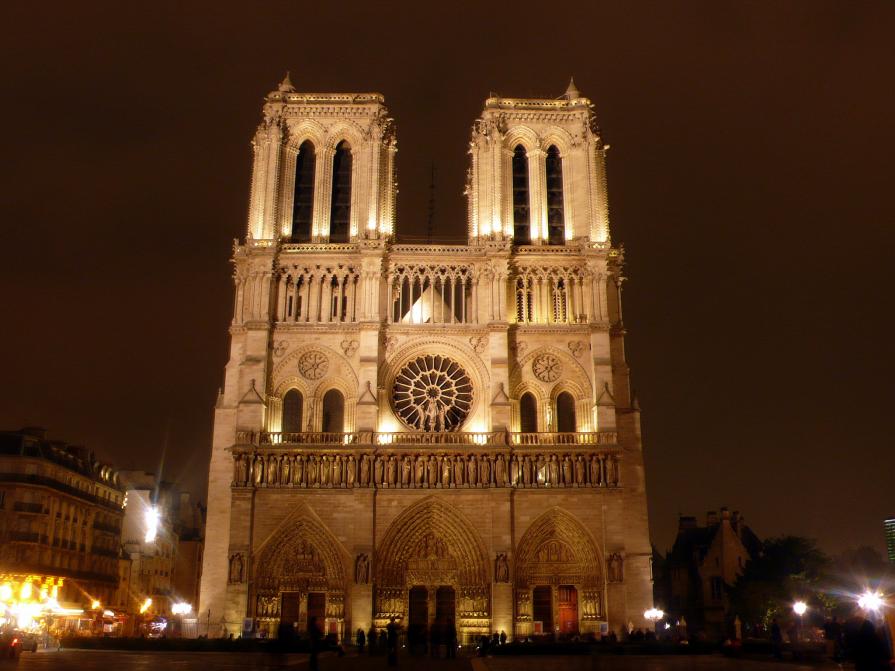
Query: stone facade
[60, 517]
[427, 431]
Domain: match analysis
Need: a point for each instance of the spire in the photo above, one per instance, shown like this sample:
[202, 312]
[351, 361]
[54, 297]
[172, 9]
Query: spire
[572, 91]
[286, 85]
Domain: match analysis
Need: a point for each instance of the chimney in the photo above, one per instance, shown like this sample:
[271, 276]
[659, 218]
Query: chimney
[711, 518]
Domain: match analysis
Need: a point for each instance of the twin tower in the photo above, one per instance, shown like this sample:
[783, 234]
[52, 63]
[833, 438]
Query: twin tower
[431, 433]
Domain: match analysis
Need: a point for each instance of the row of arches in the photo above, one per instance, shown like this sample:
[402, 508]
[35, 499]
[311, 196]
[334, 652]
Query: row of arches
[522, 201]
[303, 195]
[332, 416]
[430, 547]
[562, 412]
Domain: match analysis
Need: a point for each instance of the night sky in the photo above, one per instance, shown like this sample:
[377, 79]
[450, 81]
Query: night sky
[750, 181]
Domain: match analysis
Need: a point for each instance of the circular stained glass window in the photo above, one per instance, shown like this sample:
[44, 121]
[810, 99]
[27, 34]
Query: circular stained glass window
[432, 393]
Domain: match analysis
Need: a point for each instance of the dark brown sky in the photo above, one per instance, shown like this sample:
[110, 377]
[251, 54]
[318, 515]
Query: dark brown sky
[750, 180]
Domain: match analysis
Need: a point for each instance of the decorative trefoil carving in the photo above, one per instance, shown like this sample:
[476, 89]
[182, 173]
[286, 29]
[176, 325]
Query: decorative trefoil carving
[577, 348]
[479, 343]
[349, 347]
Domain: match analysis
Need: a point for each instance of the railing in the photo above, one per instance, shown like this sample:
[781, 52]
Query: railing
[557, 438]
[422, 438]
[109, 528]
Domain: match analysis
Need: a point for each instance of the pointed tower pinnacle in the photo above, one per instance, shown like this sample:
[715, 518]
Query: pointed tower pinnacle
[572, 91]
[286, 85]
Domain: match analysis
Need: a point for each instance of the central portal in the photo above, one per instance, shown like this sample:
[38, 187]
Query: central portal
[445, 605]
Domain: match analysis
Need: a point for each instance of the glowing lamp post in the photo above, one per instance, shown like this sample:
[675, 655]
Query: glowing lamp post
[654, 615]
[872, 602]
[799, 608]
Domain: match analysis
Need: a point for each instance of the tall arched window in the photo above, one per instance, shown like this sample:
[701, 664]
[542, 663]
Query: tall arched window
[556, 222]
[340, 213]
[528, 413]
[303, 196]
[565, 413]
[292, 403]
[521, 211]
[333, 412]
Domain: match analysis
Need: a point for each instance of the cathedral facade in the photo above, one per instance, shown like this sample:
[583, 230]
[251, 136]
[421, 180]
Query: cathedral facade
[429, 433]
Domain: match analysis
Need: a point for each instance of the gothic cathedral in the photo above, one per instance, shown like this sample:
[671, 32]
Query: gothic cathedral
[430, 433]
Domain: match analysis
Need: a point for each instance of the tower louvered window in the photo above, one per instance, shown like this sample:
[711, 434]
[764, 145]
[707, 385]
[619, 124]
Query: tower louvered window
[521, 210]
[556, 223]
[340, 213]
[303, 196]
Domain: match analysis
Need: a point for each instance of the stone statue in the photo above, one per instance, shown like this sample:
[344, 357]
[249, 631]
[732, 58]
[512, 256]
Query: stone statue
[236, 568]
[406, 471]
[362, 570]
[432, 471]
[365, 470]
[284, 470]
[312, 471]
[471, 475]
[514, 471]
[324, 471]
[259, 471]
[298, 471]
[350, 472]
[566, 471]
[273, 470]
[485, 471]
[445, 471]
[420, 479]
[526, 472]
[553, 471]
[595, 471]
[242, 475]
[392, 471]
[579, 471]
[378, 471]
[337, 472]
[616, 567]
[501, 569]
[458, 471]
[611, 471]
[500, 471]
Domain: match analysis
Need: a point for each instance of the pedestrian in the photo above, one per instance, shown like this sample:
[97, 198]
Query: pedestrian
[392, 642]
[451, 639]
[371, 640]
[503, 637]
[360, 640]
[776, 639]
[383, 643]
[870, 650]
[314, 638]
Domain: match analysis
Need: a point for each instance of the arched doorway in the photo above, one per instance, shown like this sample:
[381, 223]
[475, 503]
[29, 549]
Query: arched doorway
[431, 553]
[299, 576]
[292, 407]
[558, 578]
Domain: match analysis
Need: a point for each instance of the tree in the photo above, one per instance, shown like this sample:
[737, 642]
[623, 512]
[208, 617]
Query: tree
[787, 569]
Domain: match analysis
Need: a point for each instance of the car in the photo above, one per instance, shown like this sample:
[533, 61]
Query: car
[27, 641]
[10, 644]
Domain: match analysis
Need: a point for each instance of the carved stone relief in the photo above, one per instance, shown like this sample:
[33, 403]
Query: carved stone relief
[547, 368]
[313, 365]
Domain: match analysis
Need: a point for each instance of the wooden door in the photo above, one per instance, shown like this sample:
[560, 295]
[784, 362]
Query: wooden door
[567, 596]
[289, 608]
[542, 607]
[317, 609]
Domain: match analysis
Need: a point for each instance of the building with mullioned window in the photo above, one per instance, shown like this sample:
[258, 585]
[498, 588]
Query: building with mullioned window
[429, 433]
[60, 519]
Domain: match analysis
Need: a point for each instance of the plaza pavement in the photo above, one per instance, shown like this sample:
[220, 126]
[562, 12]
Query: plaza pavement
[88, 660]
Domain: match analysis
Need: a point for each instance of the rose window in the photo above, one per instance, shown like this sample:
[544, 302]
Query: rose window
[432, 393]
[313, 365]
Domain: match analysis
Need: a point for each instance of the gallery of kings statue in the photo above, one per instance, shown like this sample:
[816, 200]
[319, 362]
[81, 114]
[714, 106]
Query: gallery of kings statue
[427, 432]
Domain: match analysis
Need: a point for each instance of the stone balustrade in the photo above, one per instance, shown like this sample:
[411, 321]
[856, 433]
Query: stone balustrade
[471, 438]
[392, 466]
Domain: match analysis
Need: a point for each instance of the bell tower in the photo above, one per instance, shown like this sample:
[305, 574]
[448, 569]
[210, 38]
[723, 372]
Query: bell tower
[538, 172]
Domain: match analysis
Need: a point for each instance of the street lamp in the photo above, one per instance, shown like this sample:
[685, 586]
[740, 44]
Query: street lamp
[872, 601]
[654, 615]
[799, 608]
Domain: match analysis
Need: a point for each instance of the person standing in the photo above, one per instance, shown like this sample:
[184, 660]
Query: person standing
[314, 638]
[451, 639]
[360, 639]
[392, 642]
[776, 639]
